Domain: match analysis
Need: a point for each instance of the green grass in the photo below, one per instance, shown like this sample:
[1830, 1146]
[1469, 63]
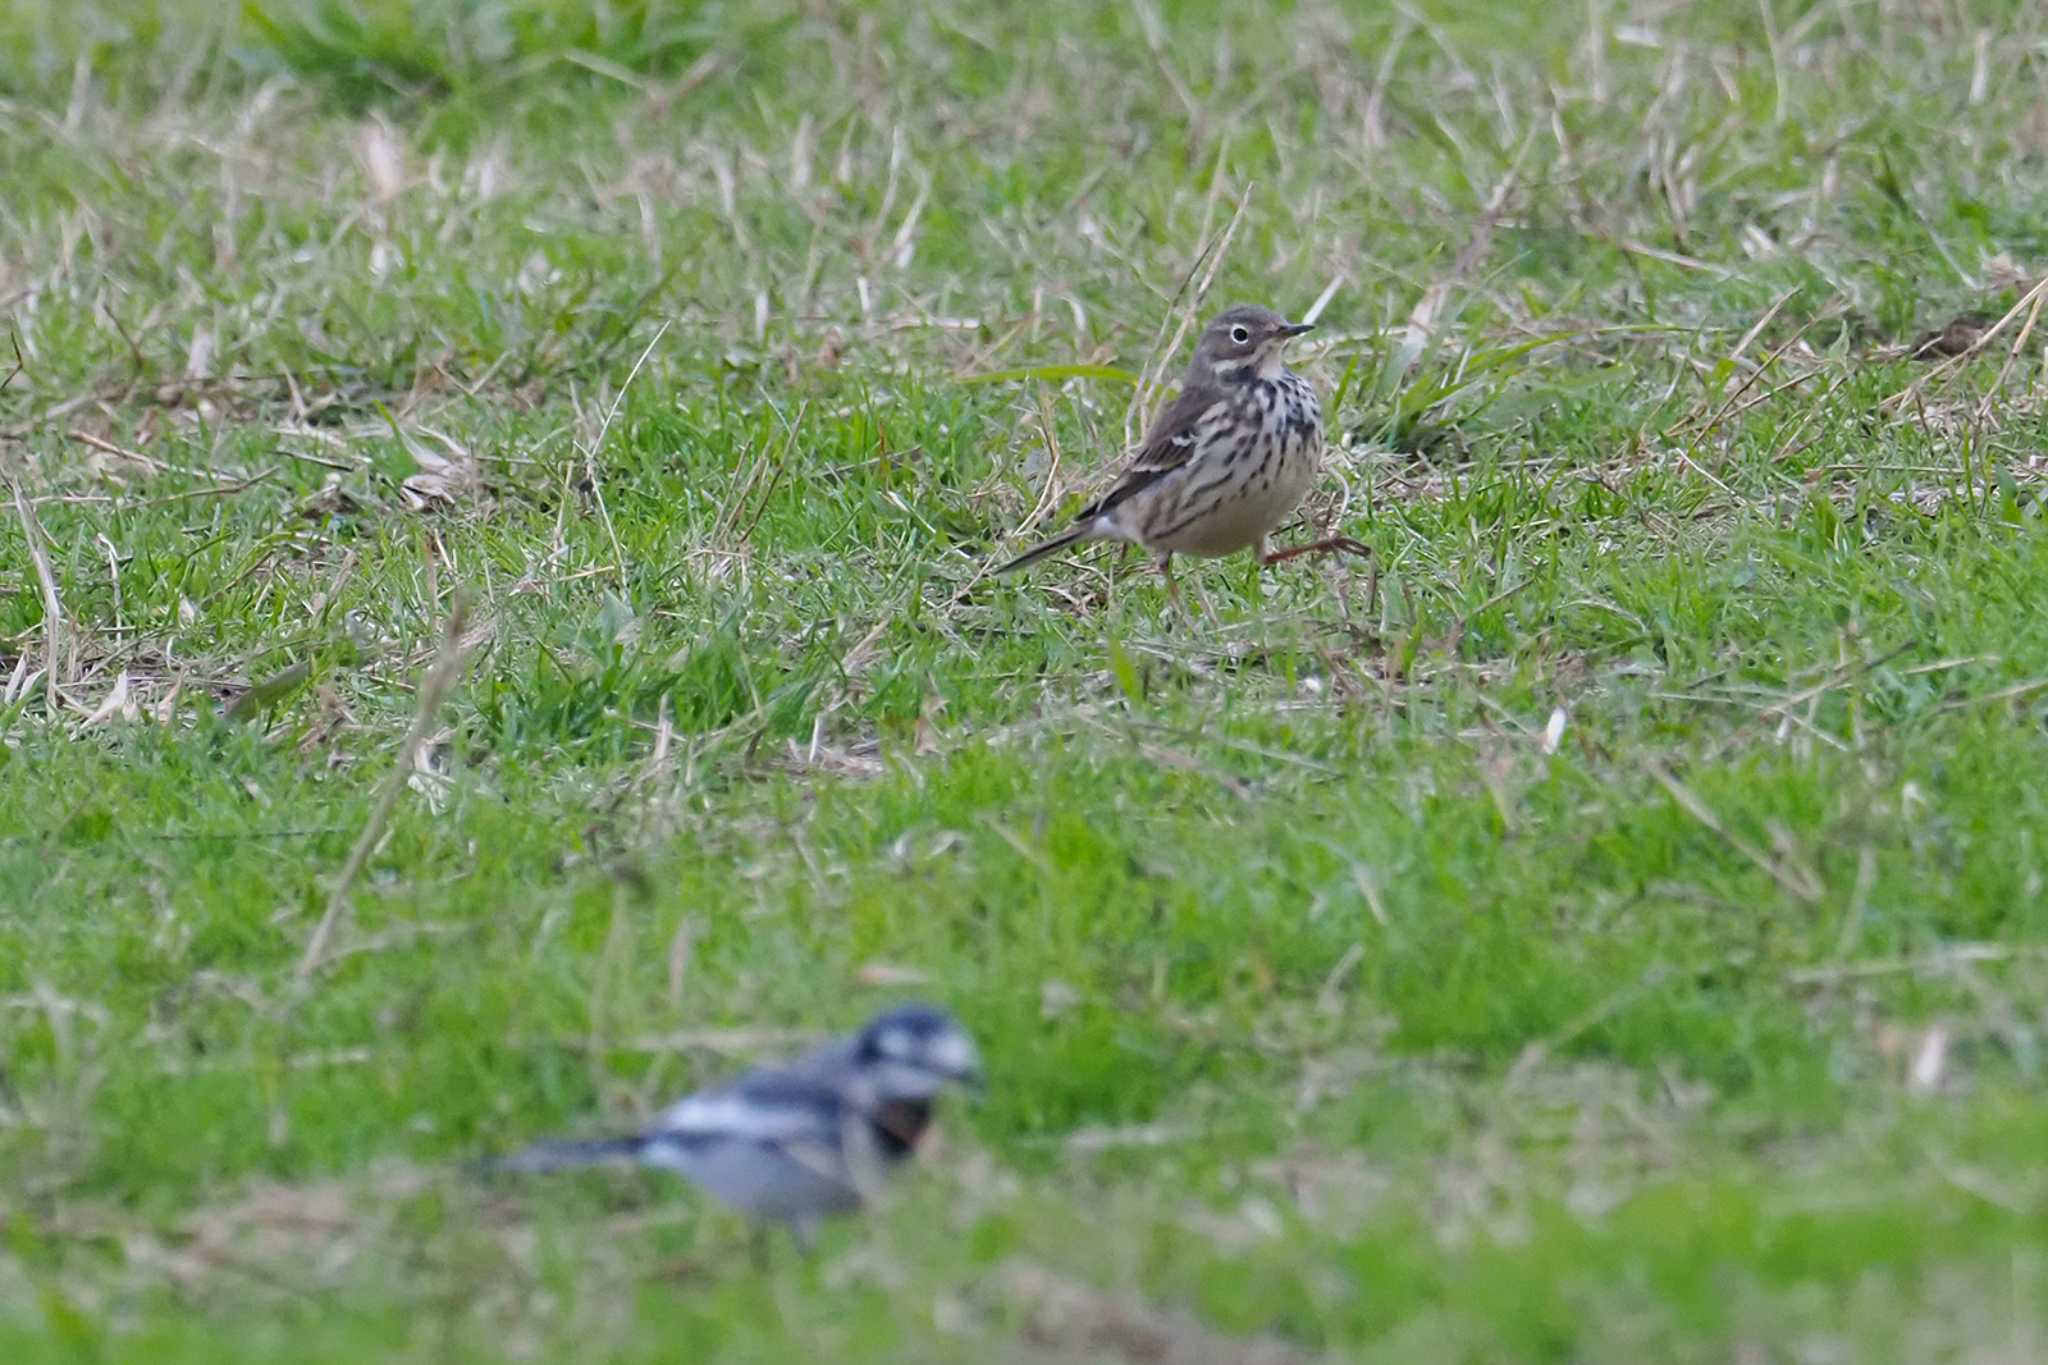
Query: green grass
[1606, 928]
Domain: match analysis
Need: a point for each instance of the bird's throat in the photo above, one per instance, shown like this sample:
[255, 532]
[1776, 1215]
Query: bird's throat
[899, 1124]
[1268, 367]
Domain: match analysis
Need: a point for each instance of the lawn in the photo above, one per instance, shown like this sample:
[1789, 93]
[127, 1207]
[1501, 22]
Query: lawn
[495, 632]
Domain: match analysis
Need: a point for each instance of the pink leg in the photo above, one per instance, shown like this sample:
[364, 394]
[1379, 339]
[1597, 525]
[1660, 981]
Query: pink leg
[1165, 566]
[1328, 545]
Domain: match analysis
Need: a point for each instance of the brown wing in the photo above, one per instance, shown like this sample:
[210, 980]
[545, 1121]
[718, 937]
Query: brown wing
[1172, 439]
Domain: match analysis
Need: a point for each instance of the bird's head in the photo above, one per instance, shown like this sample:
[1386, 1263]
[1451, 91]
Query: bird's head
[914, 1051]
[1246, 341]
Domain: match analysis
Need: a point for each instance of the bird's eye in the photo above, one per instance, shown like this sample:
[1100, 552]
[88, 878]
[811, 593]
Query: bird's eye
[1240, 335]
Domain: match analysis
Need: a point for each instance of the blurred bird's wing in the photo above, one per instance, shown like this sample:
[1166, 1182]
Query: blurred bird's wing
[805, 1119]
[777, 1106]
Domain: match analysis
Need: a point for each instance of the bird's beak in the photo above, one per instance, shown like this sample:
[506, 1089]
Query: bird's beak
[1295, 329]
[958, 1060]
[971, 1077]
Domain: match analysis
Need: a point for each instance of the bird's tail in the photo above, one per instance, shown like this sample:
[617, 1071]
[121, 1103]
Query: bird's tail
[1053, 546]
[555, 1156]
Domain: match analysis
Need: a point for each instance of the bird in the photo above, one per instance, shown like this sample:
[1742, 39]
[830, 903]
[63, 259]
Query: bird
[1224, 463]
[796, 1141]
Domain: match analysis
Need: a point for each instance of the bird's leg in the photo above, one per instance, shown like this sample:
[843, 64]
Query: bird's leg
[1165, 566]
[804, 1232]
[1327, 545]
[758, 1243]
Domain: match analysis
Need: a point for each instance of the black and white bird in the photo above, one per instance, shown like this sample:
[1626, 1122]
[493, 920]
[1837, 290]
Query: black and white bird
[792, 1142]
[1225, 463]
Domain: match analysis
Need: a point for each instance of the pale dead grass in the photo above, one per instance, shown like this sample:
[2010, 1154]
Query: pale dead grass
[860, 290]
[1066, 1319]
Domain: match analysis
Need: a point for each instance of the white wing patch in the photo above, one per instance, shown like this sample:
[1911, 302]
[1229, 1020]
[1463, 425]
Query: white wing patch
[737, 1115]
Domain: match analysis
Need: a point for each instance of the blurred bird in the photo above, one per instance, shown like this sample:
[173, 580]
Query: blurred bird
[1226, 461]
[795, 1141]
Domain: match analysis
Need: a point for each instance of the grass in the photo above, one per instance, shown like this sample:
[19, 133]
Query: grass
[1608, 927]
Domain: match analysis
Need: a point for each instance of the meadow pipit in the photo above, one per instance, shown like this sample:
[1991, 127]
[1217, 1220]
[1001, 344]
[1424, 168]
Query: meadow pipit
[1224, 463]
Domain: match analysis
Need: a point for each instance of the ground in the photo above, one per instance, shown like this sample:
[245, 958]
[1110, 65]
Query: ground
[1606, 925]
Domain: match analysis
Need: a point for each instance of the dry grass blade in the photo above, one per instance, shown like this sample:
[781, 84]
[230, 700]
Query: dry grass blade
[1067, 1315]
[150, 463]
[1540, 1051]
[434, 690]
[1946, 959]
[53, 610]
[2013, 693]
[590, 456]
[1422, 319]
[2019, 344]
[1797, 883]
[1181, 312]
[1706, 420]
[2029, 303]
[1315, 310]
[1049, 430]
[750, 497]
[733, 1042]
[1838, 677]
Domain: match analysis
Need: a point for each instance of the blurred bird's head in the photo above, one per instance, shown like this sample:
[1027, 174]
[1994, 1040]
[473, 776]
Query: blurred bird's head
[914, 1051]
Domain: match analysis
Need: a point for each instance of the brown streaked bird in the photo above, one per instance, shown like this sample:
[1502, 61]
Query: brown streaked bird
[1224, 463]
